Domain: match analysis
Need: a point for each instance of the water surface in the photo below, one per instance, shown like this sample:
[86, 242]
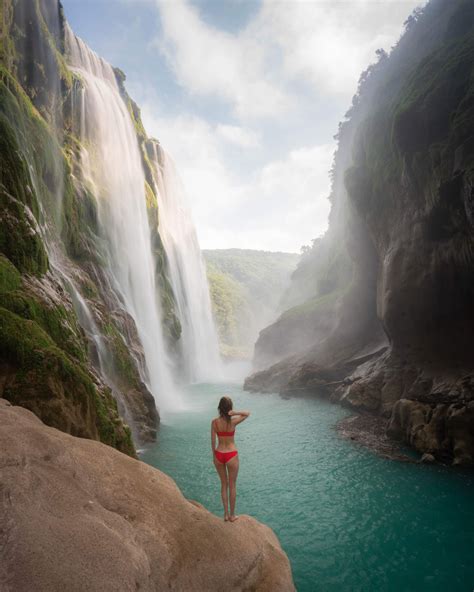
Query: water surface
[347, 519]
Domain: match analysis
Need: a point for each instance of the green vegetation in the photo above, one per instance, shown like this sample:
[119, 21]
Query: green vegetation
[124, 366]
[58, 322]
[230, 308]
[79, 225]
[47, 358]
[10, 278]
[7, 46]
[171, 322]
[246, 287]
[44, 370]
[42, 73]
[19, 236]
[43, 350]
[422, 99]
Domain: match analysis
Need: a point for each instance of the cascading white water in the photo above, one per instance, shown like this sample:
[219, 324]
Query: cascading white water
[199, 344]
[112, 164]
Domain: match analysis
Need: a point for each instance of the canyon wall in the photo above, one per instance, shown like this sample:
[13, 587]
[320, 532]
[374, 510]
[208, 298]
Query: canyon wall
[391, 330]
[92, 327]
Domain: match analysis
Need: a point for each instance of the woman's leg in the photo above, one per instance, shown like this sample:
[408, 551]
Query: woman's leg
[220, 468]
[233, 470]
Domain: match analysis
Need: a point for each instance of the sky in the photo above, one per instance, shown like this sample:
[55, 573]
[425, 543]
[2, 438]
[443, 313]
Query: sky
[246, 97]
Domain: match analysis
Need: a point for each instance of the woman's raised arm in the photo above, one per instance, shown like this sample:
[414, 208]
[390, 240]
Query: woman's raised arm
[238, 416]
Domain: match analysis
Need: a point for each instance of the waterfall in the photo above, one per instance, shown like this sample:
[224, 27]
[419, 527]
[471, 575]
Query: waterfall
[112, 165]
[199, 344]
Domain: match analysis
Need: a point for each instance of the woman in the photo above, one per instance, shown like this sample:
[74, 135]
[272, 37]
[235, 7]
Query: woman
[225, 455]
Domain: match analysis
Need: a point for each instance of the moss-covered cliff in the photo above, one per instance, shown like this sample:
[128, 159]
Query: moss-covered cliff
[69, 350]
[402, 200]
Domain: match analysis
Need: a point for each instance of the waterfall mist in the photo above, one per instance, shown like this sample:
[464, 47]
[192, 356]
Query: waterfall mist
[111, 163]
[199, 344]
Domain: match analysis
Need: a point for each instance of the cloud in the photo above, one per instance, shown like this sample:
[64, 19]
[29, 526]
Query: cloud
[239, 136]
[290, 57]
[281, 205]
[324, 44]
[207, 61]
[329, 43]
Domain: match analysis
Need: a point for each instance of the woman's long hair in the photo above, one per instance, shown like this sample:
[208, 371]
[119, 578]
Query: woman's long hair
[225, 405]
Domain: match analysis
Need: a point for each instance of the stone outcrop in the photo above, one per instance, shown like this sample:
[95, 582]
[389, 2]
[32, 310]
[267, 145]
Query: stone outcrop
[78, 515]
[402, 203]
[439, 430]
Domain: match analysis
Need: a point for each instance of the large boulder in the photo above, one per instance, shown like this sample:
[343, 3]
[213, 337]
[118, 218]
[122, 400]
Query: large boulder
[80, 516]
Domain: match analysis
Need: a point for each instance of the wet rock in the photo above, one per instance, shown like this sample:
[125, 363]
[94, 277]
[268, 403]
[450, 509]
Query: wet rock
[369, 430]
[444, 430]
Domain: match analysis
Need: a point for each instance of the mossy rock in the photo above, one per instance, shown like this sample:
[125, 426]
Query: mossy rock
[31, 170]
[7, 45]
[10, 278]
[19, 236]
[43, 73]
[43, 378]
[124, 366]
[80, 227]
[59, 322]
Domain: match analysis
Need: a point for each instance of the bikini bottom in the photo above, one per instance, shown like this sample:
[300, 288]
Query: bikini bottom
[224, 457]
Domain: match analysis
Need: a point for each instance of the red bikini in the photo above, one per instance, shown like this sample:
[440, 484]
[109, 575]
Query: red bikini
[224, 457]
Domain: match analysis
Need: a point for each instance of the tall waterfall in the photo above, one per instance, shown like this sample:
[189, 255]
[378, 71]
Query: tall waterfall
[112, 165]
[199, 345]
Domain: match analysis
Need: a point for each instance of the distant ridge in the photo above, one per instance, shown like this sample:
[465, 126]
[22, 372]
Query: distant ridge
[246, 287]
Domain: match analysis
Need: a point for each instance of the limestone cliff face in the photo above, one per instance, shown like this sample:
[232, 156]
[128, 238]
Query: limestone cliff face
[77, 515]
[69, 350]
[407, 206]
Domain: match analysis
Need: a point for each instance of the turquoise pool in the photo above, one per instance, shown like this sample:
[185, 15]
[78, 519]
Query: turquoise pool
[347, 519]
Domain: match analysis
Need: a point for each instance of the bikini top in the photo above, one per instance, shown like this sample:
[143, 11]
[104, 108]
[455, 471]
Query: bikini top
[221, 434]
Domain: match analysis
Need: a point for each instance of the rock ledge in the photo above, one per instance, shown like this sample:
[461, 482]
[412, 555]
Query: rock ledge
[77, 515]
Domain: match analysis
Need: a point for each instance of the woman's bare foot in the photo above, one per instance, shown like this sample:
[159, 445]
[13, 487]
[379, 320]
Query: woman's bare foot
[226, 518]
[233, 518]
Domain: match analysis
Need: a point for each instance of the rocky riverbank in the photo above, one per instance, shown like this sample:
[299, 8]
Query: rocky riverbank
[370, 431]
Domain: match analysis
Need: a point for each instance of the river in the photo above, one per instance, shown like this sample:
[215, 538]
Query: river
[348, 519]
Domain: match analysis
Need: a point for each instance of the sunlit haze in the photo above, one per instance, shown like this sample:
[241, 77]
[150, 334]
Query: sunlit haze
[246, 97]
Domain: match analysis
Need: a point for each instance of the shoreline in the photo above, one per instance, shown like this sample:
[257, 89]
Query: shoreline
[369, 431]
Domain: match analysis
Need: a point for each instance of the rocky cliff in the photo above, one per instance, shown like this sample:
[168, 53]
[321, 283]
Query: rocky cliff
[401, 322]
[77, 515]
[69, 346]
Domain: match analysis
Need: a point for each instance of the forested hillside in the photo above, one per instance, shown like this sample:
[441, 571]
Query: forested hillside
[246, 290]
